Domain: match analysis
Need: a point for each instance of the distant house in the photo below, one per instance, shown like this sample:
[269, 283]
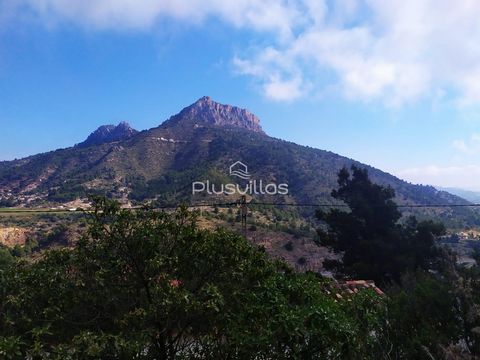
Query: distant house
[354, 286]
[340, 290]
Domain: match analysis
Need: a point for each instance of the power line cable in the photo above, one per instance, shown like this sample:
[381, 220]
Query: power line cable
[199, 205]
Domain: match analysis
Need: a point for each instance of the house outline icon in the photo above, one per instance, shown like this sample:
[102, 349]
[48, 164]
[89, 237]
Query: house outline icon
[240, 170]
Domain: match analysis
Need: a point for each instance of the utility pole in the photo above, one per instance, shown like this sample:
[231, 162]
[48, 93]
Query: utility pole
[243, 214]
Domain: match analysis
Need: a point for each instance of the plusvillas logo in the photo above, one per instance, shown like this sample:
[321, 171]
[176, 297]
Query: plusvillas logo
[251, 187]
[239, 169]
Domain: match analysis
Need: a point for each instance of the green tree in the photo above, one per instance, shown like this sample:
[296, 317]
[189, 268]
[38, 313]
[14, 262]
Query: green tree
[6, 258]
[422, 318]
[372, 242]
[152, 285]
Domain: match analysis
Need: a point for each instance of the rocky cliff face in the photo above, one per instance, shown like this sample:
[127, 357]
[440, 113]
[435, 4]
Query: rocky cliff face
[109, 133]
[205, 111]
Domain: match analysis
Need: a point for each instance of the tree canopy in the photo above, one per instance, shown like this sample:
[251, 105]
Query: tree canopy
[145, 284]
[371, 241]
[153, 285]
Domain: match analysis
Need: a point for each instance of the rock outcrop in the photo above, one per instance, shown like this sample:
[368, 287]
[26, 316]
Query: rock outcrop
[109, 133]
[205, 111]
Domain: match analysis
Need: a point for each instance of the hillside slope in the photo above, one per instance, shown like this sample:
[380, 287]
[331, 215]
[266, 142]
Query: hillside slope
[198, 144]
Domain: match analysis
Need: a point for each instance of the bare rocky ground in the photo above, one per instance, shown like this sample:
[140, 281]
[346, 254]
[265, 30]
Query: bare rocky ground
[301, 253]
[11, 236]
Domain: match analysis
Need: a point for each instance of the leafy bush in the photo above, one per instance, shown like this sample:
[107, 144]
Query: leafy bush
[152, 285]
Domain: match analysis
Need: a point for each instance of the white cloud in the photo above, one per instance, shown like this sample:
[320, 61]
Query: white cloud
[283, 84]
[394, 52]
[468, 147]
[462, 176]
[390, 51]
[460, 145]
[267, 15]
[287, 90]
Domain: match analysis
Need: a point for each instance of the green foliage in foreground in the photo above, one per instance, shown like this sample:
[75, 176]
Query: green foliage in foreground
[152, 285]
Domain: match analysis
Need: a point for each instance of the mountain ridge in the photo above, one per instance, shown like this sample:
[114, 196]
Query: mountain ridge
[206, 111]
[109, 133]
[470, 195]
[161, 163]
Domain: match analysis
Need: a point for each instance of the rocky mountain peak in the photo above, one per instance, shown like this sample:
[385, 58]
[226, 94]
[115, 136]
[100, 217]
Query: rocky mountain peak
[207, 111]
[109, 133]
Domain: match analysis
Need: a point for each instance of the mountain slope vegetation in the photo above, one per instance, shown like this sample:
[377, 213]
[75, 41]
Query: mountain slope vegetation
[200, 143]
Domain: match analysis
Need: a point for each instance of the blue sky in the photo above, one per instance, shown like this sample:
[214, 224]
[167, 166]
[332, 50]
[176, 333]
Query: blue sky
[393, 84]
